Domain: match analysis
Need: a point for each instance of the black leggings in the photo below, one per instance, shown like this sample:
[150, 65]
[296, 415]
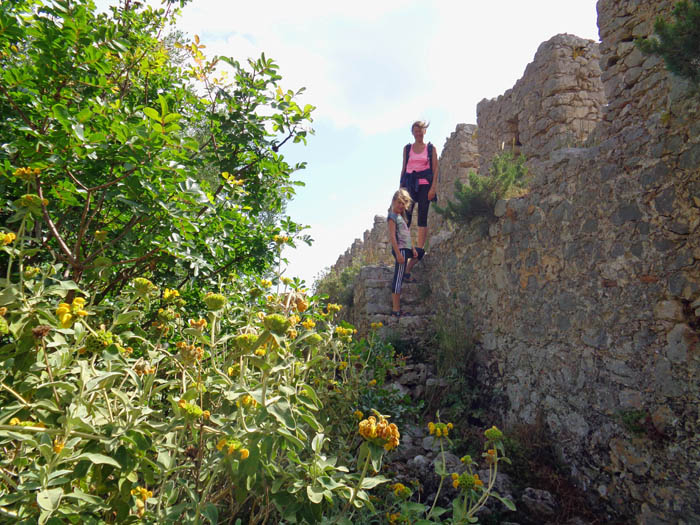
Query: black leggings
[423, 204]
[399, 269]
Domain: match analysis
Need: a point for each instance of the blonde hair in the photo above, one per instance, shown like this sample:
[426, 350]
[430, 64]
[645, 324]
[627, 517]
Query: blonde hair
[401, 195]
[422, 123]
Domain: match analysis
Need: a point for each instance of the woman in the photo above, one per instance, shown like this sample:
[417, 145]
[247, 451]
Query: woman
[419, 176]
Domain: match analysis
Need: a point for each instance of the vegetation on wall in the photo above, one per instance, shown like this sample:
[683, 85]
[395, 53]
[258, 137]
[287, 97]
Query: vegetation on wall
[478, 198]
[678, 42]
[339, 286]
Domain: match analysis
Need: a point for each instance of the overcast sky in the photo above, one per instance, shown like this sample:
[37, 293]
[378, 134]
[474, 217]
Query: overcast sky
[372, 68]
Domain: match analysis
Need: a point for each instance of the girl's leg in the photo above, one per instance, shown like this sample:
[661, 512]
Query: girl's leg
[399, 270]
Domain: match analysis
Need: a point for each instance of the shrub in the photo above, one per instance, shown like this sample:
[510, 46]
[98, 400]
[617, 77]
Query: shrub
[165, 411]
[339, 286]
[678, 42]
[478, 198]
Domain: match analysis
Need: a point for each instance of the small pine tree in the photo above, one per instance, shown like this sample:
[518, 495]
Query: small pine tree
[678, 42]
[479, 197]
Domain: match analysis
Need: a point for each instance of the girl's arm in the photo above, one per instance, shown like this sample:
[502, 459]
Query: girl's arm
[392, 239]
[434, 185]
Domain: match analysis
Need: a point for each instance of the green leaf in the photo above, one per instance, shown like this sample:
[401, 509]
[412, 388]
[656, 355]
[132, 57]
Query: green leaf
[211, 513]
[87, 498]
[371, 482]
[97, 459]
[151, 113]
[509, 504]
[49, 499]
[101, 380]
[317, 443]
[126, 317]
[315, 494]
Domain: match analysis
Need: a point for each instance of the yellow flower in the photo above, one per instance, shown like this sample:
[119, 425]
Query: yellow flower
[308, 324]
[15, 421]
[342, 365]
[450, 426]
[182, 403]
[141, 493]
[265, 283]
[294, 319]
[374, 326]
[455, 483]
[477, 481]
[58, 445]
[221, 444]
[261, 352]
[198, 325]
[244, 453]
[431, 428]
[358, 414]
[490, 456]
[7, 238]
[333, 308]
[372, 382]
[260, 315]
[206, 414]
[169, 294]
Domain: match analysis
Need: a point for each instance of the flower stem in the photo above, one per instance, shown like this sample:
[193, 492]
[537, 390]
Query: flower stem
[442, 479]
[359, 483]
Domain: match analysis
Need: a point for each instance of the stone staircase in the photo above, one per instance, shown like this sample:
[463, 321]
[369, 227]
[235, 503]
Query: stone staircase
[372, 304]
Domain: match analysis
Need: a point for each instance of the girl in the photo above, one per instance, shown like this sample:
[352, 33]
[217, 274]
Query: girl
[420, 176]
[401, 246]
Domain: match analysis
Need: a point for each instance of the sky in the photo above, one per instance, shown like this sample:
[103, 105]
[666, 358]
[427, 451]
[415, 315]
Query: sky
[372, 68]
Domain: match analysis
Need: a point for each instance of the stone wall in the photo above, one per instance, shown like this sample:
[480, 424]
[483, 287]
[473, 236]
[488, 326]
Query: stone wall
[584, 295]
[557, 103]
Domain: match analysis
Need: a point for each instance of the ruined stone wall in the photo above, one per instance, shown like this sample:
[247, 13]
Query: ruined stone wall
[557, 103]
[584, 295]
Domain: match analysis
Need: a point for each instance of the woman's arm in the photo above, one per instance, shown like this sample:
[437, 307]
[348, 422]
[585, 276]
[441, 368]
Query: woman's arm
[433, 187]
[403, 161]
[392, 239]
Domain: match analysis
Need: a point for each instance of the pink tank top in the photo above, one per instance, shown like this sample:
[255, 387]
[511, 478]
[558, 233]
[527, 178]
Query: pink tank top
[418, 162]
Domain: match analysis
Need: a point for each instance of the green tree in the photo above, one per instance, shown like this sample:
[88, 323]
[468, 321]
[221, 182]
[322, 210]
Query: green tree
[138, 153]
[678, 42]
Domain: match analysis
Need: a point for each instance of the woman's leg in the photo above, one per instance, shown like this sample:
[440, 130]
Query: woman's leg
[423, 206]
